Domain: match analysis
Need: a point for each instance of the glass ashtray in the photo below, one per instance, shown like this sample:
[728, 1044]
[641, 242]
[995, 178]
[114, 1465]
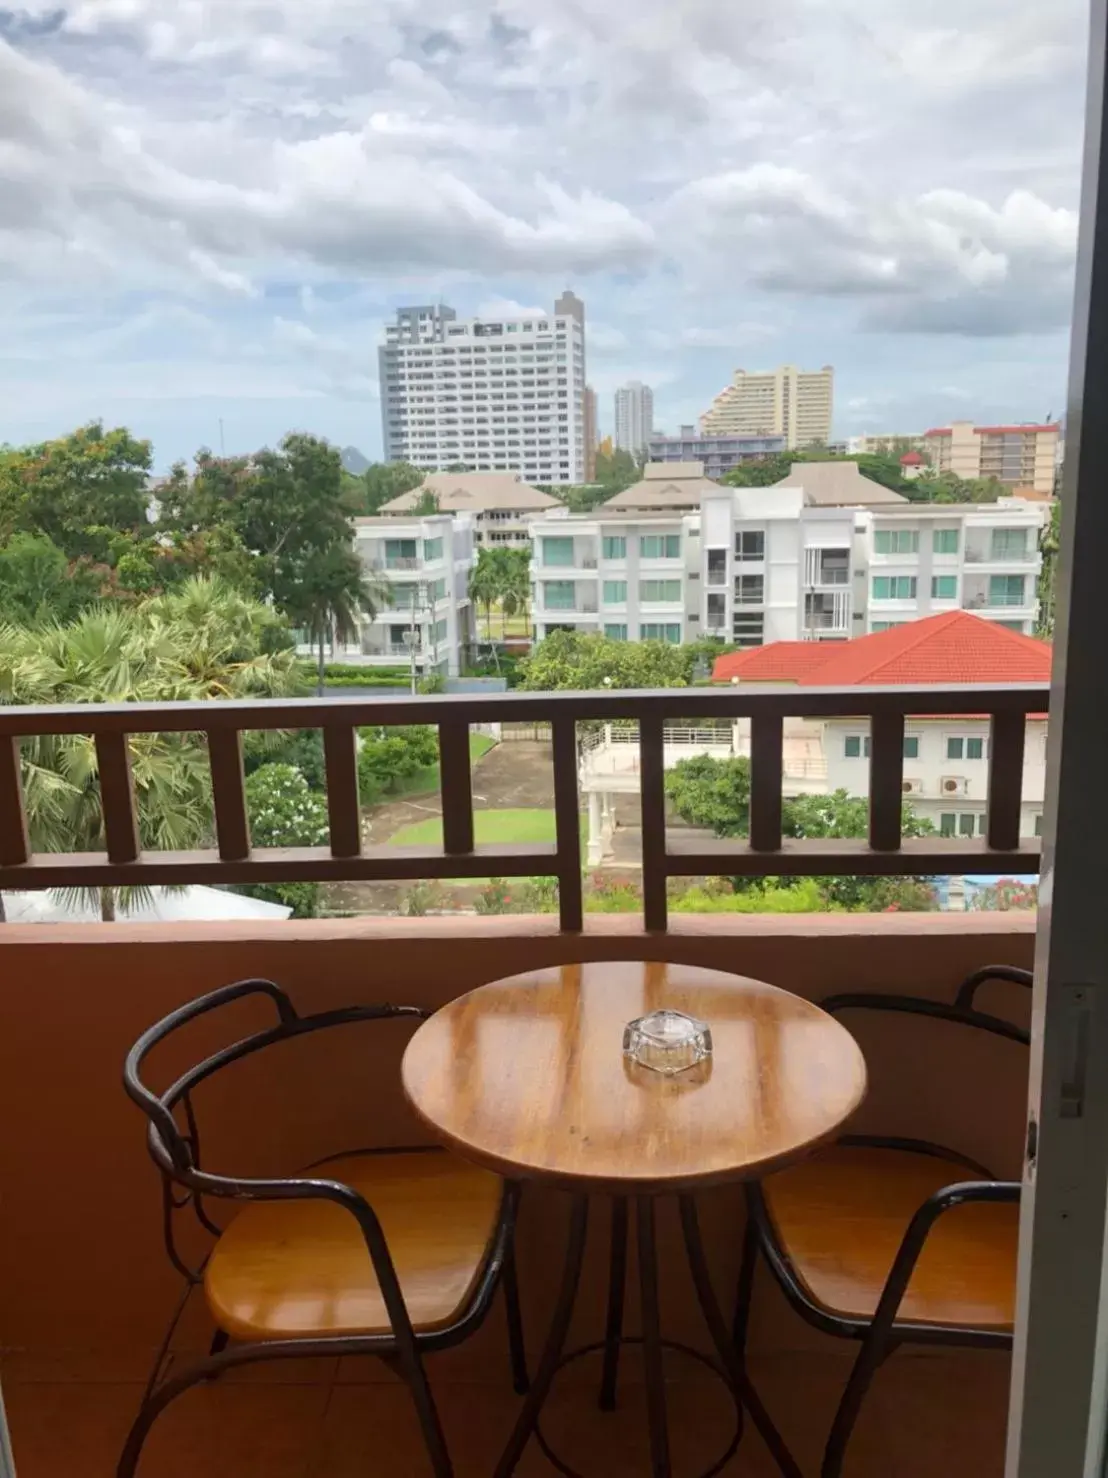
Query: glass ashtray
[667, 1041]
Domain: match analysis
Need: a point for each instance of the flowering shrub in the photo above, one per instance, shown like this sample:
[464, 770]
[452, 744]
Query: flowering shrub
[284, 811]
[495, 897]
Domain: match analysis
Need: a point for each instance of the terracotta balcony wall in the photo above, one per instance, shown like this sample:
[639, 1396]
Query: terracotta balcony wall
[85, 1290]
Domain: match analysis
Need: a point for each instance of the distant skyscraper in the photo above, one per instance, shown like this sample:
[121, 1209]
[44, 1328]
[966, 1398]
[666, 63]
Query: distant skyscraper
[591, 435]
[634, 417]
[796, 404]
[494, 394]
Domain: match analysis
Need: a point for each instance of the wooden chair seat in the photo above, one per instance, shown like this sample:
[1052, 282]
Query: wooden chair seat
[839, 1218]
[295, 1269]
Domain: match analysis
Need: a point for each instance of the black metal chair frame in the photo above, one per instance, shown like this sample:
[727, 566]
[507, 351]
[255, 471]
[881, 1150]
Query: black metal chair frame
[884, 1332]
[185, 1185]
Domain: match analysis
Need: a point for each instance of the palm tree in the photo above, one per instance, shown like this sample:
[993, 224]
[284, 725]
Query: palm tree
[484, 586]
[335, 593]
[515, 582]
[202, 642]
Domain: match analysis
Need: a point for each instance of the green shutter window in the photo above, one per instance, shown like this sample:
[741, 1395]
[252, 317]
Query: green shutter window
[852, 746]
[557, 551]
[944, 541]
[559, 595]
[615, 546]
[432, 549]
[896, 541]
[975, 749]
[966, 823]
[1006, 590]
[660, 546]
[911, 747]
[615, 592]
[955, 748]
[948, 824]
[894, 587]
[944, 587]
[660, 592]
[1008, 544]
[616, 632]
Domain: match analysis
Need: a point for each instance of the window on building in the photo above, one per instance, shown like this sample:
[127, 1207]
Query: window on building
[748, 630]
[894, 587]
[438, 590]
[667, 631]
[438, 631]
[615, 592]
[1008, 544]
[432, 549]
[1006, 590]
[911, 746]
[750, 544]
[1038, 823]
[944, 541]
[557, 551]
[400, 554]
[615, 546]
[750, 589]
[616, 631]
[856, 746]
[959, 747]
[896, 541]
[559, 595]
[660, 546]
[717, 566]
[659, 592]
[944, 587]
[876, 626]
[967, 823]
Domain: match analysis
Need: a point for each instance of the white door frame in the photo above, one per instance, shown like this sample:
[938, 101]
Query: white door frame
[1059, 1391]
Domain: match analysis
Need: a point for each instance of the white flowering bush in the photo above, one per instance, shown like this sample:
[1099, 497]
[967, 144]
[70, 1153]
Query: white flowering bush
[284, 811]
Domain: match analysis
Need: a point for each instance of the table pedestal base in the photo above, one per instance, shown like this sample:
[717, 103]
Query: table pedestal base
[729, 1367]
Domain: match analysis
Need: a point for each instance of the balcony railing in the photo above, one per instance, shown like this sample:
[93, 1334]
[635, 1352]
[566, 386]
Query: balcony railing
[347, 858]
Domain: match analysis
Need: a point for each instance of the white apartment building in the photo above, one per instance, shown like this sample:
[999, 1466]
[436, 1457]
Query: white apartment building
[420, 567]
[488, 394]
[794, 403]
[630, 576]
[1023, 456]
[634, 421]
[760, 565]
[501, 504]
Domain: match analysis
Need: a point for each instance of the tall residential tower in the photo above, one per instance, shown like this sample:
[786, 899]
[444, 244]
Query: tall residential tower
[793, 403]
[634, 417]
[487, 394]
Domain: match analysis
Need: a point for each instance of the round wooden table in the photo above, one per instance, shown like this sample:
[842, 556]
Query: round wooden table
[527, 1076]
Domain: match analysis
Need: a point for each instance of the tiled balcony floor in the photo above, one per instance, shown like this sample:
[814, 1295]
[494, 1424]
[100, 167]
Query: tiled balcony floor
[928, 1414]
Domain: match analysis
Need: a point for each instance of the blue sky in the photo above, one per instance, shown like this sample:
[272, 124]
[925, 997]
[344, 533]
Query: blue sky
[208, 210]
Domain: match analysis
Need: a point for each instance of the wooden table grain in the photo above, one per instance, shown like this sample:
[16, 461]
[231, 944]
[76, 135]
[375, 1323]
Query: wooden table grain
[527, 1076]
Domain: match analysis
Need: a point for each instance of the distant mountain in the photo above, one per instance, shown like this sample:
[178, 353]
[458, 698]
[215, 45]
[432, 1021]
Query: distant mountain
[354, 461]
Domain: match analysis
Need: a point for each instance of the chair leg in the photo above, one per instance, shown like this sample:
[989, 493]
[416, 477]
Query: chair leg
[517, 1349]
[151, 1409]
[220, 1340]
[411, 1368]
[876, 1348]
[745, 1291]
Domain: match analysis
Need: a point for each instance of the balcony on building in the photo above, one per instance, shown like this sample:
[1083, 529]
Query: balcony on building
[82, 1308]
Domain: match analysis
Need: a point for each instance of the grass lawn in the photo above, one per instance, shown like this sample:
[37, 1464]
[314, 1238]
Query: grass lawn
[490, 826]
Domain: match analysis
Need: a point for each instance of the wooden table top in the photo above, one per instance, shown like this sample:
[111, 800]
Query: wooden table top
[527, 1076]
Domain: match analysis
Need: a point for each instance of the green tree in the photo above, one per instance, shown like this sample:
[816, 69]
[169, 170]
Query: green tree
[389, 755]
[711, 793]
[484, 584]
[572, 660]
[383, 481]
[76, 487]
[334, 593]
[285, 812]
[1049, 543]
[514, 572]
[197, 644]
[426, 504]
[39, 583]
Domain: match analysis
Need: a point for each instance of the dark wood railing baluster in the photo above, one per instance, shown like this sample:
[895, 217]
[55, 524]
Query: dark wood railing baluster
[567, 823]
[15, 846]
[457, 788]
[117, 796]
[344, 814]
[886, 781]
[766, 738]
[1006, 743]
[232, 826]
[653, 799]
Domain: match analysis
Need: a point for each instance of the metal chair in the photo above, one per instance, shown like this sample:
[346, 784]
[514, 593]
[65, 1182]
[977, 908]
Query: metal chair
[391, 1253]
[866, 1239]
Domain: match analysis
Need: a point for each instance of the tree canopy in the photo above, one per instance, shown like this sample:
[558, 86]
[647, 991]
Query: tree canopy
[572, 660]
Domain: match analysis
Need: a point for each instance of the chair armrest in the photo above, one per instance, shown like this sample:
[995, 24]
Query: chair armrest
[961, 1193]
[972, 983]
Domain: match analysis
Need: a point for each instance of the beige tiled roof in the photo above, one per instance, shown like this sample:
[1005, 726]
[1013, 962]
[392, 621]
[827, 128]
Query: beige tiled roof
[665, 492]
[837, 485]
[475, 492]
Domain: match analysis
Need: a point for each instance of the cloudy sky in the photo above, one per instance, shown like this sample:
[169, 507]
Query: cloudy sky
[208, 208]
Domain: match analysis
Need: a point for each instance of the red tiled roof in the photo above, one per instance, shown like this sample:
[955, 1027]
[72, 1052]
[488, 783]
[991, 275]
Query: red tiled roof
[911, 459]
[997, 430]
[955, 647]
